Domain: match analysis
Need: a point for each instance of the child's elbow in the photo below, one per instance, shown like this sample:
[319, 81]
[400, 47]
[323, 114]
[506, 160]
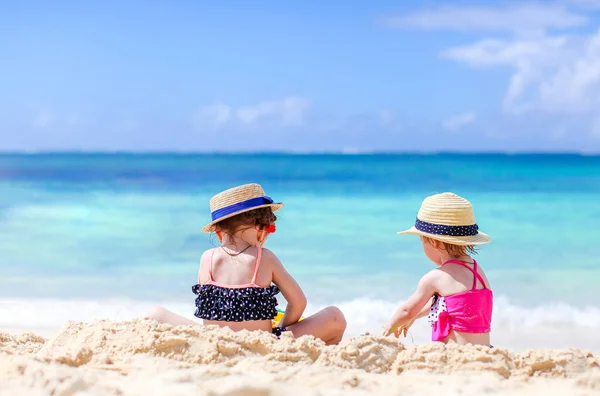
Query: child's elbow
[302, 302]
[411, 312]
[299, 303]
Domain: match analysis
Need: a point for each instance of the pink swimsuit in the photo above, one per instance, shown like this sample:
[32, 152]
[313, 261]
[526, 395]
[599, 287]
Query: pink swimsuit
[467, 312]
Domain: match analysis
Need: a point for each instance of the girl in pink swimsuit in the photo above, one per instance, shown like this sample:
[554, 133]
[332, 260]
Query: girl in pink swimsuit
[456, 296]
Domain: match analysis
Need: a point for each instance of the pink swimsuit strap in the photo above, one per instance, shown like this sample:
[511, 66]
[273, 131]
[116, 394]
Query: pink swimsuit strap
[476, 275]
[252, 282]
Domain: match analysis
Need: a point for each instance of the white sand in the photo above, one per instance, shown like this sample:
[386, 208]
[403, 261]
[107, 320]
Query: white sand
[143, 357]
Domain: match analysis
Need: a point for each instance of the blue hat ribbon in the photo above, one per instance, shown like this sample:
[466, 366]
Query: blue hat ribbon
[240, 206]
[440, 229]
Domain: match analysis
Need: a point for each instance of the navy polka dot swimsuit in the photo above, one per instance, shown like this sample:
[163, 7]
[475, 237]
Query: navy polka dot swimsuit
[237, 303]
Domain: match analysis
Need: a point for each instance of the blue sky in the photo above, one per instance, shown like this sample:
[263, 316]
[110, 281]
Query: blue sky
[303, 77]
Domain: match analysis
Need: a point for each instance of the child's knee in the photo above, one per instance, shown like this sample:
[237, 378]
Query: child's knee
[337, 318]
[157, 313]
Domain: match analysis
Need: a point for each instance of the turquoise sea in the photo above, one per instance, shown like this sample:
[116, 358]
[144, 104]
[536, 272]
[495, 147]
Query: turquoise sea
[113, 231]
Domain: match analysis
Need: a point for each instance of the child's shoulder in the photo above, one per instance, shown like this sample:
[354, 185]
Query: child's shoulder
[268, 257]
[207, 255]
[268, 254]
[433, 276]
[209, 251]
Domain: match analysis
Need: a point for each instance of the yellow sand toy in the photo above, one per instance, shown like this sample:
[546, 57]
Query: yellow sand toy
[279, 316]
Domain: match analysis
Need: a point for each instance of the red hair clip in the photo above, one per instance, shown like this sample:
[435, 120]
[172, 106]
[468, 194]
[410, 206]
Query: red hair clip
[271, 229]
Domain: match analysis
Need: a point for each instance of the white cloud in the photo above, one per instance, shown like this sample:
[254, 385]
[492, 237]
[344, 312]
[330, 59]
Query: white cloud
[214, 115]
[558, 74]
[551, 74]
[288, 111]
[47, 119]
[500, 52]
[459, 121]
[43, 119]
[517, 16]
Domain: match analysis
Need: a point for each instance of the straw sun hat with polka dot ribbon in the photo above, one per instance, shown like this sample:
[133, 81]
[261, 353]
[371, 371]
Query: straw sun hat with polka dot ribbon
[238, 200]
[449, 218]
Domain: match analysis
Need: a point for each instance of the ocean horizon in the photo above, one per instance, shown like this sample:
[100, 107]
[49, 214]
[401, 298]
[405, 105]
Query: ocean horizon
[95, 235]
[341, 152]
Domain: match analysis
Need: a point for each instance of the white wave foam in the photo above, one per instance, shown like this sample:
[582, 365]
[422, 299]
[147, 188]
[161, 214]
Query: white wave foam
[364, 313]
[543, 326]
[517, 327]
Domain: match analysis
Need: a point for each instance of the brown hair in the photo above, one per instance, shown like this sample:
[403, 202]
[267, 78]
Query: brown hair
[454, 250]
[262, 217]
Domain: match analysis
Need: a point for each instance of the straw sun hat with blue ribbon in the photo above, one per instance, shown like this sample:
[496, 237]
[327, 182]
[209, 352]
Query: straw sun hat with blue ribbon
[448, 218]
[238, 200]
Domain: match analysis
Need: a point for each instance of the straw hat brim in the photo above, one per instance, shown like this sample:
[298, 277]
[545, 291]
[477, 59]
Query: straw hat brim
[210, 227]
[478, 239]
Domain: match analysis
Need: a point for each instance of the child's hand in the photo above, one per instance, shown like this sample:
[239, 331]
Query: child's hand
[390, 328]
[404, 328]
[394, 328]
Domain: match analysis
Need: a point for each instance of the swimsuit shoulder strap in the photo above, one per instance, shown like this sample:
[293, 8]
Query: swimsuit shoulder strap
[476, 275]
[257, 266]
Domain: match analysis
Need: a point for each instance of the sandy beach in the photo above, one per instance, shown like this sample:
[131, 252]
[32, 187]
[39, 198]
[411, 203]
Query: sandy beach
[144, 357]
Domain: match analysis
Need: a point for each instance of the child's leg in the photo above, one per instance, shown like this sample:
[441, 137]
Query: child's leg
[328, 324]
[162, 315]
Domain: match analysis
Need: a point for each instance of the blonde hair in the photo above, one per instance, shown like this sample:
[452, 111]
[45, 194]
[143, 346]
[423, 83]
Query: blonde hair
[454, 250]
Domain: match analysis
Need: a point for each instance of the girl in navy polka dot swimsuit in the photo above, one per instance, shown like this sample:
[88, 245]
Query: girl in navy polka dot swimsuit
[239, 280]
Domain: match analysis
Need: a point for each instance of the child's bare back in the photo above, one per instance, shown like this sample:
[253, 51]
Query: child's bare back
[238, 281]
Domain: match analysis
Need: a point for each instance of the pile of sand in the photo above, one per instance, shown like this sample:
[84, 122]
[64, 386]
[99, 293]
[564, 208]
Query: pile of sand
[143, 357]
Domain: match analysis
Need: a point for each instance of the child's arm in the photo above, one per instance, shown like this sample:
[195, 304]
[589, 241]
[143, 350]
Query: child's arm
[296, 301]
[426, 309]
[424, 312]
[415, 307]
[203, 270]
